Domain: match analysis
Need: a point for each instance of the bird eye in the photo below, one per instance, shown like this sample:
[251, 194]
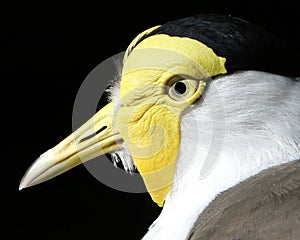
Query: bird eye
[181, 89]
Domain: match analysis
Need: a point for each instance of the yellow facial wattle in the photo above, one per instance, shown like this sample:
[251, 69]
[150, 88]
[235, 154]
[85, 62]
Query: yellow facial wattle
[149, 117]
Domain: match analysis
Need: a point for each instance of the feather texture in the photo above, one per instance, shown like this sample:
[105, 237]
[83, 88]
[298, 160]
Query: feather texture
[265, 206]
[245, 123]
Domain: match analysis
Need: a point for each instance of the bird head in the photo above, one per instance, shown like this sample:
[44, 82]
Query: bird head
[164, 72]
[162, 76]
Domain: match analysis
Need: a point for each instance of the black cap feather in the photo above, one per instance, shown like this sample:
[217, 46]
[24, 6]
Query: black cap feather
[244, 45]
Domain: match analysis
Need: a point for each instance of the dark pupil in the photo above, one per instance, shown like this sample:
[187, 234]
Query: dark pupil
[180, 88]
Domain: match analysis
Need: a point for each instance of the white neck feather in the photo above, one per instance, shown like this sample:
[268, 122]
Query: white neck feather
[247, 122]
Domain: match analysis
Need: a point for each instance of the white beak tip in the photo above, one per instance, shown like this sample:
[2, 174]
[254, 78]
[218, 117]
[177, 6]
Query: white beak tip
[23, 184]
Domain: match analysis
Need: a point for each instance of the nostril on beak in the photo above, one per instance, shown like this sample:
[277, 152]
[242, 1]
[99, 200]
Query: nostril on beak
[93, 134]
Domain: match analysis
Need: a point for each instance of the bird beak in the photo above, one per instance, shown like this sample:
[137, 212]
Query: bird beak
[94, 138]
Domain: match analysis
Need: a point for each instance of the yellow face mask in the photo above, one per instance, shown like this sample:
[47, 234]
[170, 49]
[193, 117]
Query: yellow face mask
[161, 77]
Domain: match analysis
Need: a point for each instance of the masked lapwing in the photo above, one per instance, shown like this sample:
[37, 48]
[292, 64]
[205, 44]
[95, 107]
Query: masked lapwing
[207, 109]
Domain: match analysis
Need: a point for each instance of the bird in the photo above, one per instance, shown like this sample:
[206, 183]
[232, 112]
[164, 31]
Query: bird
[206, 109]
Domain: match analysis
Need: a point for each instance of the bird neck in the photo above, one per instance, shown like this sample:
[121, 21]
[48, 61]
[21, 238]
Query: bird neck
[245, 123]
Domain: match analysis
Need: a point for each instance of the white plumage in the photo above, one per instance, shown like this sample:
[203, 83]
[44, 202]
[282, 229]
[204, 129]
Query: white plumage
[244, 123]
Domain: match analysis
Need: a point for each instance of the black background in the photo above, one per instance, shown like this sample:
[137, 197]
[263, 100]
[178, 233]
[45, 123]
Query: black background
[53, 47]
